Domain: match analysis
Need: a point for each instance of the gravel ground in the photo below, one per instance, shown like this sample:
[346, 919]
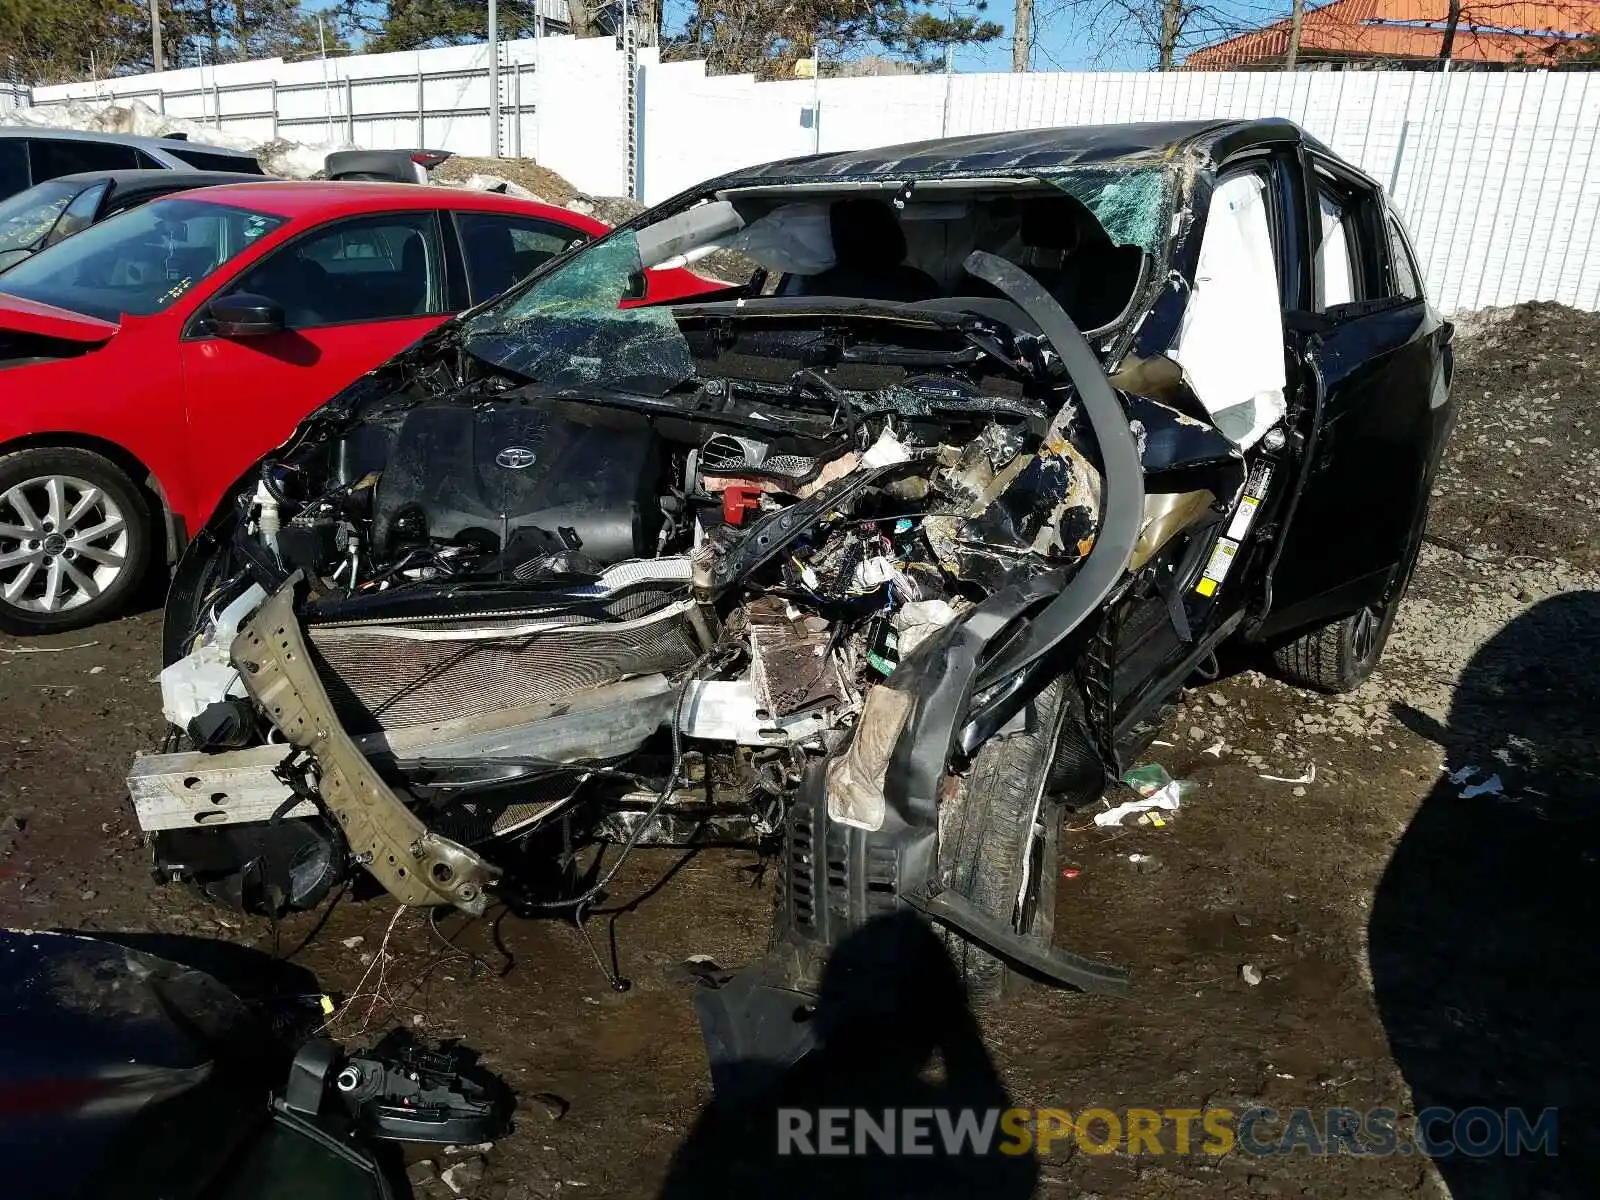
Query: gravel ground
[1418, 913]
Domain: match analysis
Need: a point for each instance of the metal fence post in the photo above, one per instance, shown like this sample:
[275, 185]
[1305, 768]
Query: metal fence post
[630, 99]
[349, 110]
[274, 84]
[422, 119]
[516, 107]
[494, 80]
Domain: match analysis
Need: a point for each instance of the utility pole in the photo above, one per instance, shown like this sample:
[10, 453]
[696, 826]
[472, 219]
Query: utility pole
[949, 68]
[494, 80]
[1022, 35]
[1295, 20]
[327, 89]
[155, 36]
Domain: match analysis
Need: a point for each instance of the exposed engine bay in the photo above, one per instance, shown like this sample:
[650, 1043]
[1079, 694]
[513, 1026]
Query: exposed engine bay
[737, 590]
[579, 570]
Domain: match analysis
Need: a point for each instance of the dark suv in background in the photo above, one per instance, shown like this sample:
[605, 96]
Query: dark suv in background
[29, 156]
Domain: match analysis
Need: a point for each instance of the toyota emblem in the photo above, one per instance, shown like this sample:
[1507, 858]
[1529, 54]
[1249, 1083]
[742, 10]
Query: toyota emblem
[515, 458]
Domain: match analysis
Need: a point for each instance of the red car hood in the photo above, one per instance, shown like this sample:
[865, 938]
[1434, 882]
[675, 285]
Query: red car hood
[29, 316]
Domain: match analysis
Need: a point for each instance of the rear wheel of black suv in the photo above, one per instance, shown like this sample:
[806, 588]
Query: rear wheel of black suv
[998, 840]
[1340, 656]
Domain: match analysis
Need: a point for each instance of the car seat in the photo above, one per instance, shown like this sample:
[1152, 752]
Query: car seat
[299, 285]
[869, 250]
[490, 255]
[1067, 251]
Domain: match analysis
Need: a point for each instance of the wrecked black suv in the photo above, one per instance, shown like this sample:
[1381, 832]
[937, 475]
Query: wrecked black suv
[882, 556]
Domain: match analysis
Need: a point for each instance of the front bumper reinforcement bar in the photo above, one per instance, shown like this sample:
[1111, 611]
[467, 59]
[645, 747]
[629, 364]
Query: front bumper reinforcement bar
[413, 863]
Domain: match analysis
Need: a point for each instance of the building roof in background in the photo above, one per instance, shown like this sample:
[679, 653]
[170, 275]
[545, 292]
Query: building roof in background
[1490, 31]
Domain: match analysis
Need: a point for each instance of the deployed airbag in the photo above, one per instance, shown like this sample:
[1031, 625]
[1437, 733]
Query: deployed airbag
[1230, 344]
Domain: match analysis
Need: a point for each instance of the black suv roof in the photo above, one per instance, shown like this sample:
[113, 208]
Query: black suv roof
[1027, 151]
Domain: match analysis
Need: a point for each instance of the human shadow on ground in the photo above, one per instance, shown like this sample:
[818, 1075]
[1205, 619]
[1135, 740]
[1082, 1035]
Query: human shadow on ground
[1483, 930]
[894, 1033]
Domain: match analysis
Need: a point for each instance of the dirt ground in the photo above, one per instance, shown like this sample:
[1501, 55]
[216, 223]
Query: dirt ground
[539, 182]
[1423, 932]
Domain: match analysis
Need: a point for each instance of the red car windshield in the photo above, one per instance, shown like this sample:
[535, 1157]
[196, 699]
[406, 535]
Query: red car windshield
[140, 262]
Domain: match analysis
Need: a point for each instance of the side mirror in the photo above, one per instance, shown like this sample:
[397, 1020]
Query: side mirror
[244, 315]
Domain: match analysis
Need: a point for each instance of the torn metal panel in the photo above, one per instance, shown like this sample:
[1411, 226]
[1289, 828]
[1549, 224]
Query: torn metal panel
[414, 864]
[729, 711]
[791, 670]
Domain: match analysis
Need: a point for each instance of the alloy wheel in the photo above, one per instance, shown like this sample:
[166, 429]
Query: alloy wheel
[63, 542]
[1364, 633]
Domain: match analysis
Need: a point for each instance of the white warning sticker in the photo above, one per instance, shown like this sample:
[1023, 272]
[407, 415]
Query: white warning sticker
[1242, 517]
[1217, 568]
[1254, 492]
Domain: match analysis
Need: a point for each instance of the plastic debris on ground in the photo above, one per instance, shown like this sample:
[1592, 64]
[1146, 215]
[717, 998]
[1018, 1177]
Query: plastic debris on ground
[1492, 786]
[1309, 777]
[1158, 792]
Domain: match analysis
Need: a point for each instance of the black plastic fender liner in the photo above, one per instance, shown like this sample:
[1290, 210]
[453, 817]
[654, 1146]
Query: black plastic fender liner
[940, 674]
[1055, 964]
[756, 1025]
[1122, 509]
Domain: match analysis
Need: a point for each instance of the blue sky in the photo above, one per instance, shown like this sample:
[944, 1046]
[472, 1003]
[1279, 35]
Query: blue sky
[1066, 40]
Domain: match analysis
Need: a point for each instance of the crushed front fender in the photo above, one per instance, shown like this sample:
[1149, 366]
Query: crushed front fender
[413, 863]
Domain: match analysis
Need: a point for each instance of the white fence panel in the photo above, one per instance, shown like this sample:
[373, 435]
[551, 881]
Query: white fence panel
[1497, 174]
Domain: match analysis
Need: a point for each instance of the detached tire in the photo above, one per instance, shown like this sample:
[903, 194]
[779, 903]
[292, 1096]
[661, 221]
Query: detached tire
[75, 539]
[998, 841]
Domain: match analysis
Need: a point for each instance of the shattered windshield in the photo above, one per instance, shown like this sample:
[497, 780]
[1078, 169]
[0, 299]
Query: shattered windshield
[569, 331]
[1130, 204]
[581, 326]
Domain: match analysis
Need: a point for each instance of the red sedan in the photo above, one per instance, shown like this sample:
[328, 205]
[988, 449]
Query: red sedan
[148, 361]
